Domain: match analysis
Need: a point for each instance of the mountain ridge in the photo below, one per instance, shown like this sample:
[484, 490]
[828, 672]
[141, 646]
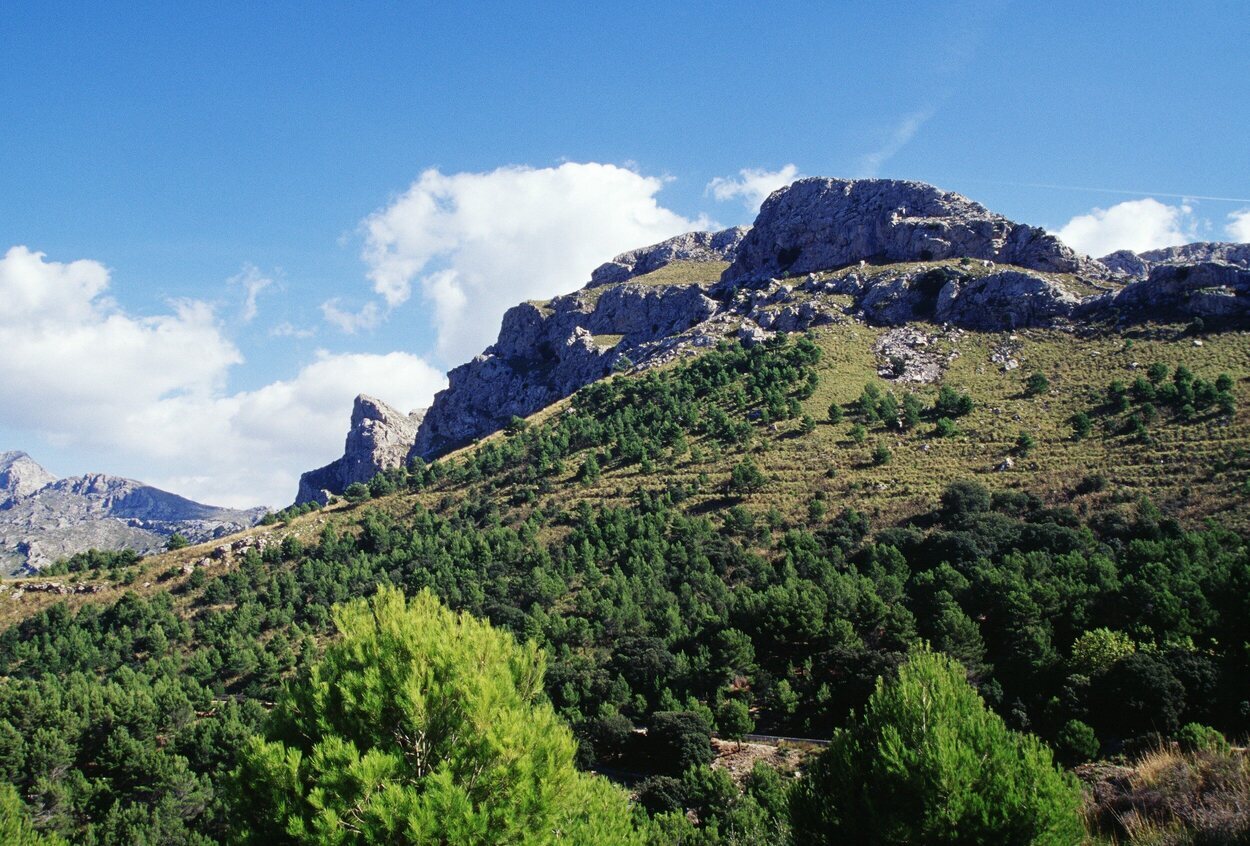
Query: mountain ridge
[887, 252]
[44, 518]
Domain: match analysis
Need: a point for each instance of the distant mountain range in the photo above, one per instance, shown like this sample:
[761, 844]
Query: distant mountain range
[43, 518]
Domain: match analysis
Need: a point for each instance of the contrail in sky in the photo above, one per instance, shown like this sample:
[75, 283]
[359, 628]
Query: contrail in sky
[1111, 191]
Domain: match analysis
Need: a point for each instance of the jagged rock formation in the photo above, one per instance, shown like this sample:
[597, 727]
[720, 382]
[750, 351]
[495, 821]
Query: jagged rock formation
[692, 246]
[1138, 265]
[20, 476]
[826, 224]
[1211, 290]
[43, 518]
[379, 439]
[886, 252]
[547, 351]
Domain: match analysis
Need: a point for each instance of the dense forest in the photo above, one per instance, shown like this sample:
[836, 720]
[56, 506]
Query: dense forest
[253, 703]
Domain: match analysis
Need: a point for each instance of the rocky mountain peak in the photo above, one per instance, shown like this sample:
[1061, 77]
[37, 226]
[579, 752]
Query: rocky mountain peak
[826, 224]
[379, 439]
[43, 518]
[1138, 265]
[20, 476]
[883, 251]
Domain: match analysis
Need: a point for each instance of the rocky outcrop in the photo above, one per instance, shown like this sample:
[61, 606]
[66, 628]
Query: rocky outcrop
[692, 246]
[20, 476]
[40, 523]
[1138, 265]
[379, 439]
[546, 352]
[1210, 290]
[825, 224]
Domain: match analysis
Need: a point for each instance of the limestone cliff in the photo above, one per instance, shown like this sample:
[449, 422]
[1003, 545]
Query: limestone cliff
[379, 439]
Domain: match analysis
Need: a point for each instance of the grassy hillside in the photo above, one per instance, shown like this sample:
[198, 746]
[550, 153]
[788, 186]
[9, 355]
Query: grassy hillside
[703, 541]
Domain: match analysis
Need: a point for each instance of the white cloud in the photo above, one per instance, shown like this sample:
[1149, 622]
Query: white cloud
[1136, 225]
[478, 243]
[351, 322]
[252, 281]
[149, 393]
[1238, 228]
[753, 185]
[287, 329]
[900, 136]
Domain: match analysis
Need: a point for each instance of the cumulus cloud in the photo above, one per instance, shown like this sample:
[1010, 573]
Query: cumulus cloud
[150, 392]
[1136, 225]
[1238, 228]
[477, 243]
[752, 186]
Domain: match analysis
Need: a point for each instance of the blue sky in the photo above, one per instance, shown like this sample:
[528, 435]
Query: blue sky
[340, 165]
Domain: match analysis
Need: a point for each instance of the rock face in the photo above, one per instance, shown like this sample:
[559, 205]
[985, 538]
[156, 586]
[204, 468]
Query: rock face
[693, 246]
[1138, 265]
[379, 439]
[43, 518]
[546, 352]
[885, 252]
[20, 476]
[1211, 290]
[825, 224]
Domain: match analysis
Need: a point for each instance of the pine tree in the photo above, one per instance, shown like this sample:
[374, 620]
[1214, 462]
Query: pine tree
[927, 762]
[420, 725]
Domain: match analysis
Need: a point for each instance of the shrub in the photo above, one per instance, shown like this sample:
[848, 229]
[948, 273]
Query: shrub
[951, 403]
[1174, 797]
[1025, 443]
[679, 740]
[835, 413]
[912, 411]
[1036, 384]
[1081, 425]
[927, 762]
[746, 477]
[1076, 743]
[807, 424]
[858, 433]
[881, 455]
[1135, 696]
[177, 541]
[945, 428]
[356, 492]
[733, 719]
[1194, 737]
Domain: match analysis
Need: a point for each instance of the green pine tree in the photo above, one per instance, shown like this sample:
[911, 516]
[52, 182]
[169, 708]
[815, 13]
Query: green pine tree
[420, 725]
[927, 762]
